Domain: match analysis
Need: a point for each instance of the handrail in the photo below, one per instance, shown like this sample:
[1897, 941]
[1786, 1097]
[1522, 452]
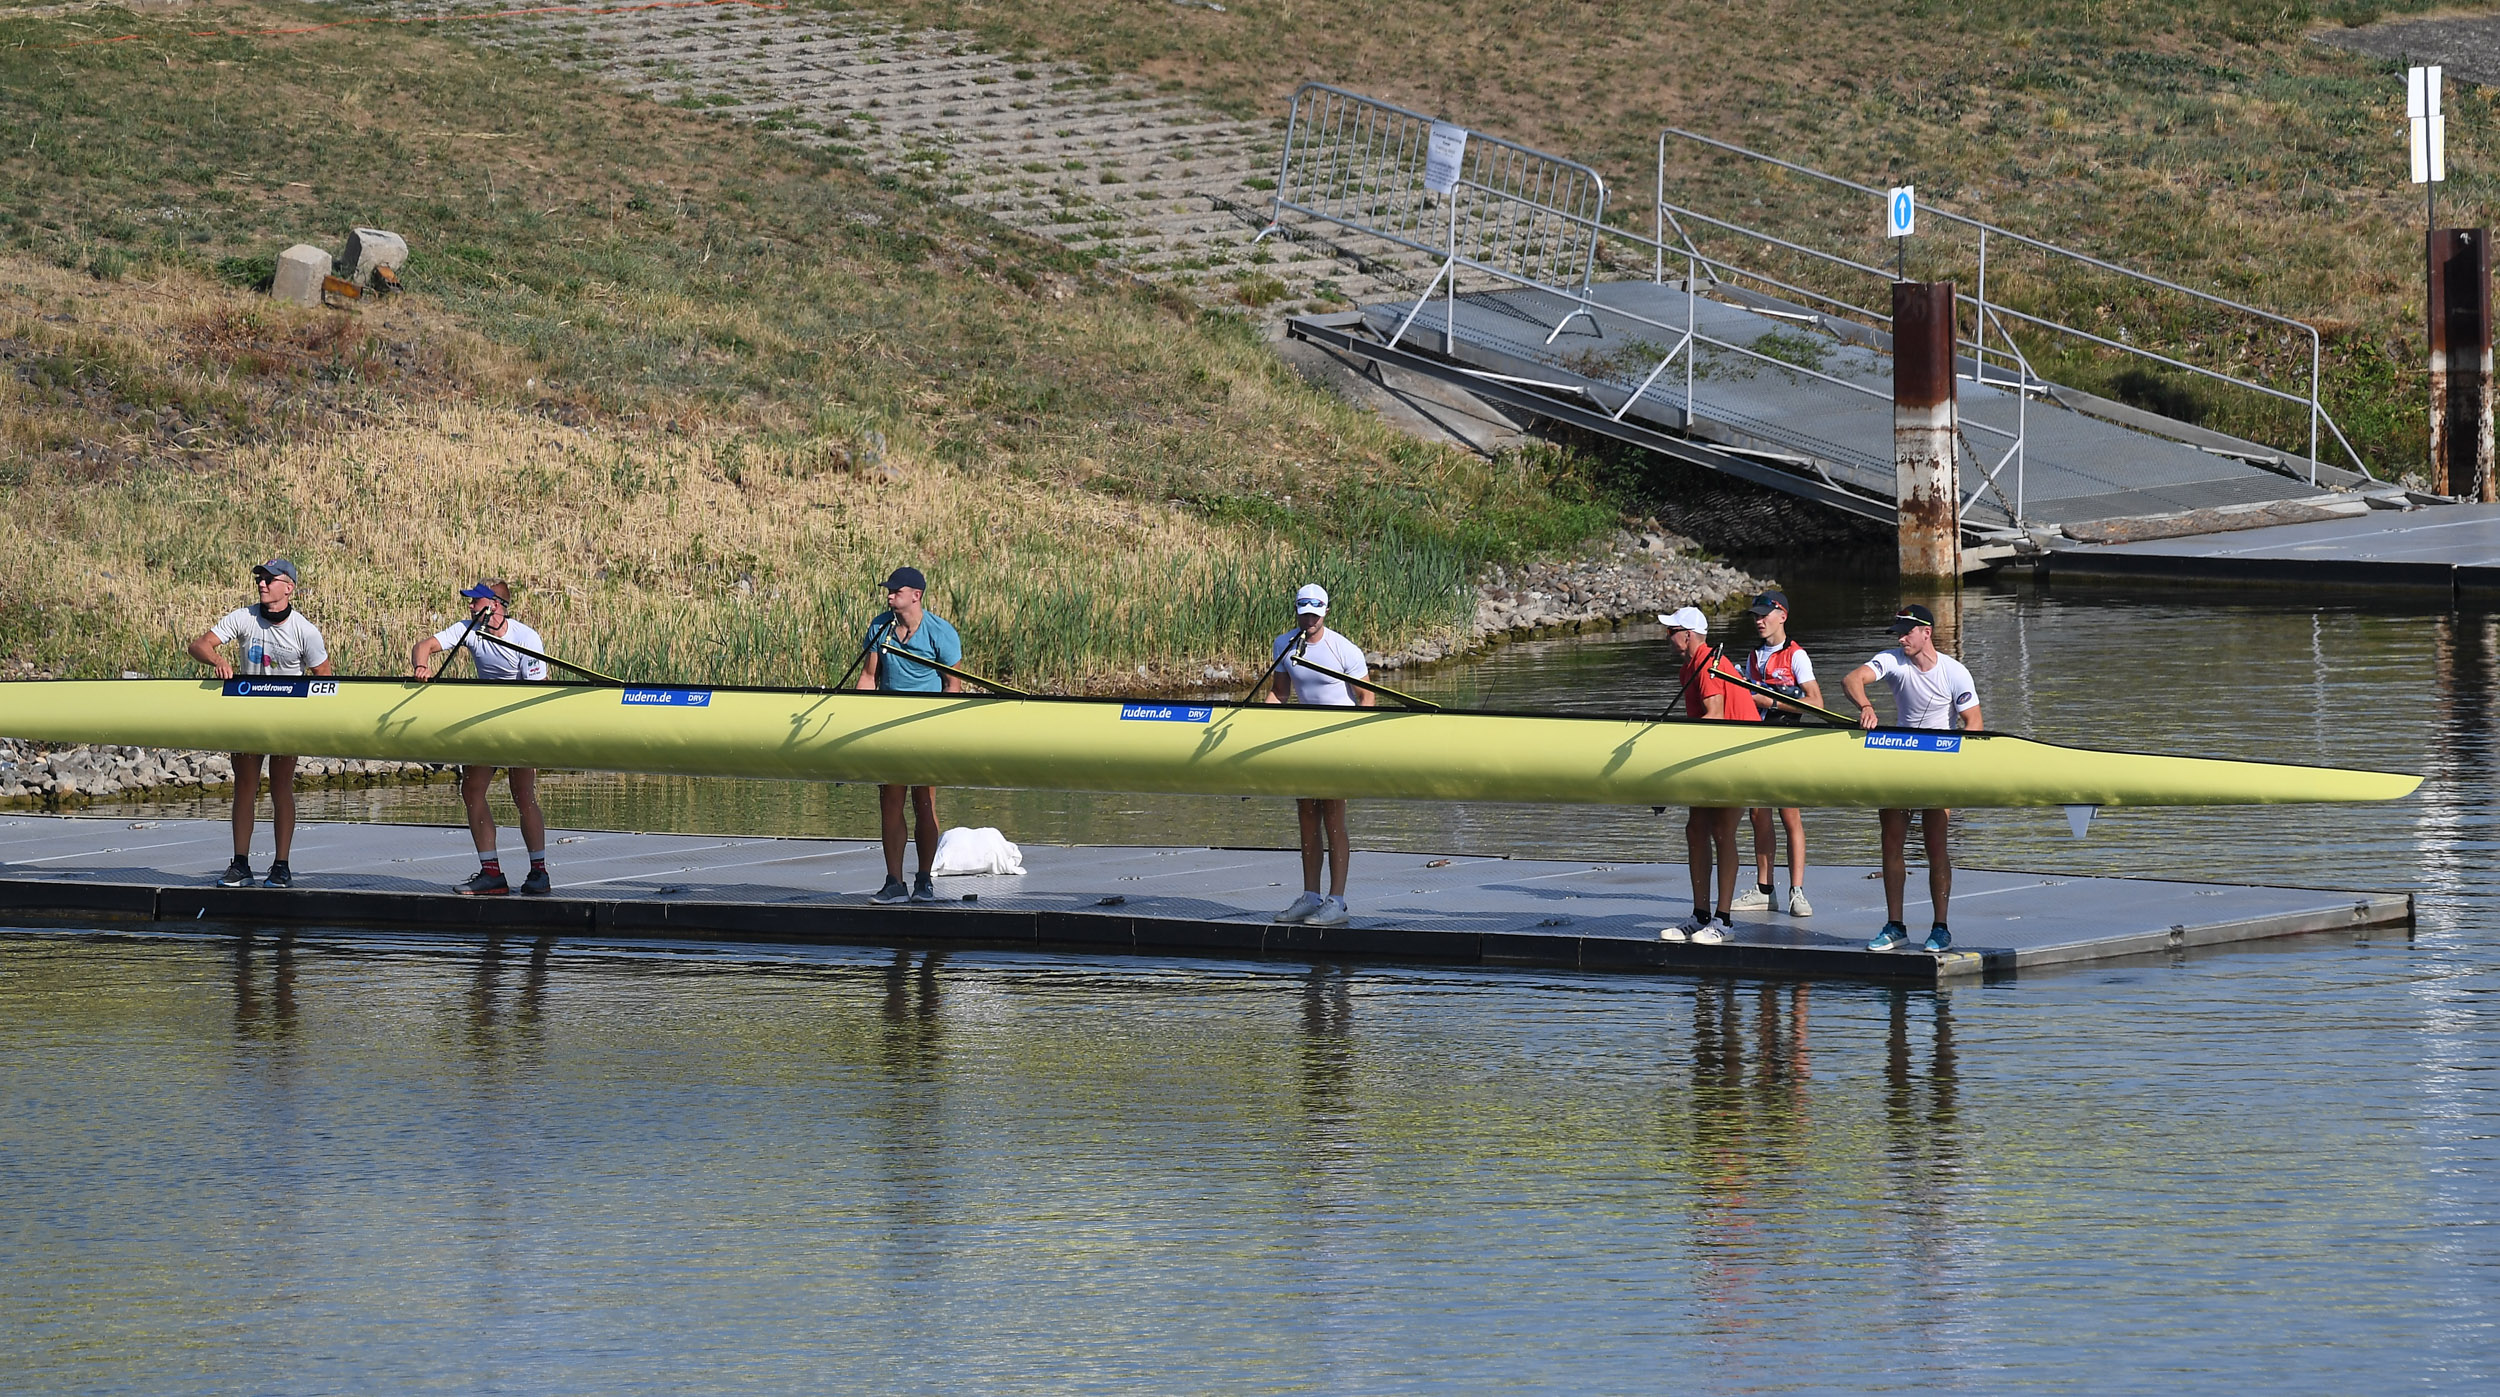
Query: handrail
[2320, 420]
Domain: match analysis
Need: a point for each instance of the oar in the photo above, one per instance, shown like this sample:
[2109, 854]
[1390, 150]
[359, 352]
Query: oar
[443, 661]
[583, 670]
[1425, 705]
[965, 675]
[1837, 719]
[876, 633]
[1295, 649]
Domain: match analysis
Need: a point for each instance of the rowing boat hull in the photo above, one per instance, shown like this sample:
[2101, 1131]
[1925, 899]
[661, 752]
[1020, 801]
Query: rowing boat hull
[1112, 745]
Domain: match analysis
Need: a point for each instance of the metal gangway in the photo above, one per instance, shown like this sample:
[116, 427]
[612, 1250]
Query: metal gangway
[1769, 362]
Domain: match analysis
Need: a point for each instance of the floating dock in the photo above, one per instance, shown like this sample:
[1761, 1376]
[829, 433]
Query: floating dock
[2451, 552]
[1188, 902]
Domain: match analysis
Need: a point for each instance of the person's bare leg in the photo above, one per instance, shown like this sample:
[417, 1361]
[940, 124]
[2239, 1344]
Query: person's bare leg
[1896, 825]
[1939, 859]
[1765, 844]
[1723, 834]
[474, 783]
[1332, 818]
[524, 784]
[246, 800]
[890, 826]
[924, 812]
[282, 803]
[1307, 811]
[1795, 820]
[1698, 841]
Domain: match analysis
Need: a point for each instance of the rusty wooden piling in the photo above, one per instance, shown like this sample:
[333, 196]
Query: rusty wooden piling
[1926, 481]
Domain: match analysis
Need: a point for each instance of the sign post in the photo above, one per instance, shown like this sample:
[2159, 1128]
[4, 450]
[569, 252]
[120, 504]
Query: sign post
[1445, 157]
[1900, 221]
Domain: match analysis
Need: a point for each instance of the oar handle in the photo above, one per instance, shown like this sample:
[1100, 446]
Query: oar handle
[1011, 691]
[443, 661]
[1426, 705]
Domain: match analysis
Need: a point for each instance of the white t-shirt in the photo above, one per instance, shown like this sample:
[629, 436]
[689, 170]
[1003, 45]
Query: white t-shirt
[1332, 650]
[494, 661]
[291, 646]
[1926, 698]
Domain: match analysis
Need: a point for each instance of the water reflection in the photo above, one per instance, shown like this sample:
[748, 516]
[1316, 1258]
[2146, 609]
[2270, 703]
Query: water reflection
[264, 988]
[1922, 1153]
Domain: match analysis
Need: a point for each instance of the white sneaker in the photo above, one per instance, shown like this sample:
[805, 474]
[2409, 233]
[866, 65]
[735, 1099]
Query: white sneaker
[1302, 908]
[1714, 932]
[1683, 930]
[1751, 900]
[1797, 904]
[1332, 912]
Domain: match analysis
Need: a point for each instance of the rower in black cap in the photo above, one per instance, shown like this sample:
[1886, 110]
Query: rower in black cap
[1930, 689]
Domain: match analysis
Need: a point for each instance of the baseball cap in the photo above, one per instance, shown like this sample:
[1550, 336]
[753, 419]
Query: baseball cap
[1313, 598]
[492, 589]
[1768, 602]
[906, 577]
[1910, 618]
[278, 567]
[1686, 619]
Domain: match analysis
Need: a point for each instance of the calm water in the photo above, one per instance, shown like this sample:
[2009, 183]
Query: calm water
[330, 1162]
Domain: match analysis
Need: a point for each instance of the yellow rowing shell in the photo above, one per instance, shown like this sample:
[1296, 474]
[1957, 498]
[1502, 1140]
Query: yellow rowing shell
[1133, 745]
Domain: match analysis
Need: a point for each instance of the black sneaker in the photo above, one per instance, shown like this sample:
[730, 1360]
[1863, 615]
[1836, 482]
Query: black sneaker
[537, 884]
[280, 876]
[893, 891]
[922, 890]
[238, 874]
[484, 884]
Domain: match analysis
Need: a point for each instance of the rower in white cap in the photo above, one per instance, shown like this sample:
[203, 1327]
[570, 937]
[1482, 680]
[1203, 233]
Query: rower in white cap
[1298, 683]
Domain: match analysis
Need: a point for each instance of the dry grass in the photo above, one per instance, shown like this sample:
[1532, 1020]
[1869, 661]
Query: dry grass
[734, 557]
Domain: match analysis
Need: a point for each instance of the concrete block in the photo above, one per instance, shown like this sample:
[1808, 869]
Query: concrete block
[300, 270]
[369, 248]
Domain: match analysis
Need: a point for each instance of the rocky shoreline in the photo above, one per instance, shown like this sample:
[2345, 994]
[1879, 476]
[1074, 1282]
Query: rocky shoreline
[1632, 577]
[34, 775]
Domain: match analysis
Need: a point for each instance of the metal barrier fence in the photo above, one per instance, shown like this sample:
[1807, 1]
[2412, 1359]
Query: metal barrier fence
[1469, 202]
[1993, 342]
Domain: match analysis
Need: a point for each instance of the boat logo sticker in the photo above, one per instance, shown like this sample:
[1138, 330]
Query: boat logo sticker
[668, 698]
[1166, 713]
[282, 688]
[1913, 742]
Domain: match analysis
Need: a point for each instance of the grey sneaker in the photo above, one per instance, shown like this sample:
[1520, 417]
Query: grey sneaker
[238, 874]
[1797, 904]
[922, 889]
[893, 891]
[1302, 908]
[1332, 912]
[1751, 900]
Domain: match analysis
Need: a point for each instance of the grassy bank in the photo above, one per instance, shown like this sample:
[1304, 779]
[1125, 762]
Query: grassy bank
[693, 388]
[2206, 140]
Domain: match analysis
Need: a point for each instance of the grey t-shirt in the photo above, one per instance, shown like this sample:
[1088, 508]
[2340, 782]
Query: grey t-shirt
[289, 645]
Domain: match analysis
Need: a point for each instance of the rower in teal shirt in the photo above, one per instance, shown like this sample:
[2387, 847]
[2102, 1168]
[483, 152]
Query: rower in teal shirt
[907, 627]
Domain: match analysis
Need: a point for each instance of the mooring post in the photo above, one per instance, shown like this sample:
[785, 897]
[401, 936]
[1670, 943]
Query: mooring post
[2459, 302]
[1926, 484]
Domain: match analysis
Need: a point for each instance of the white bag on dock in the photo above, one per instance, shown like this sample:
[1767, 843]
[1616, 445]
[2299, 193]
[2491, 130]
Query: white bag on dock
[967, 851]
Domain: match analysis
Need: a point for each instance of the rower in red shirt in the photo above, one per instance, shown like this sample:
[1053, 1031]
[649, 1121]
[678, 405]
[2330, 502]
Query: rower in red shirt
[1707, 690]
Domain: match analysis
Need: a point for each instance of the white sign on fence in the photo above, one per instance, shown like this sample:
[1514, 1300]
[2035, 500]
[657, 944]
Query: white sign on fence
[1901, 211]
[2429, 125]
[1444, 156]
